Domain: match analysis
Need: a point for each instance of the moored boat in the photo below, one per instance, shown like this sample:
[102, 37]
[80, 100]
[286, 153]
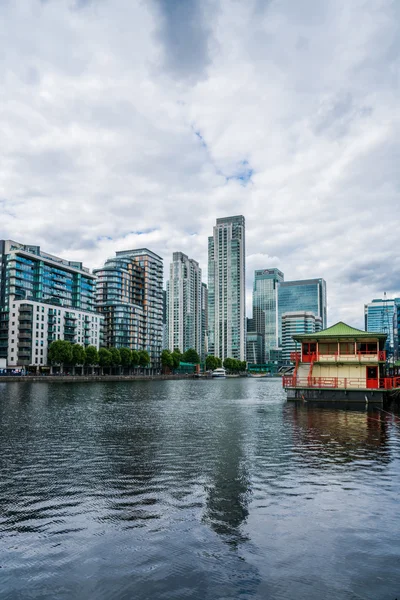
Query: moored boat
[219, 373]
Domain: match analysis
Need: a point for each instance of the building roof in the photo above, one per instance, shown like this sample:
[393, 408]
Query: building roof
[340, 330]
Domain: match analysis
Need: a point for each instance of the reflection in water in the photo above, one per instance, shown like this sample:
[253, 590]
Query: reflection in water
[228, 492]
[200, 489]
[329, 436]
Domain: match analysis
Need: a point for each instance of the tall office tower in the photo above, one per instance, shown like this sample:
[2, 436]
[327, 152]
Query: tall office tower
[184, 304]
[379, 316]
[265, 307]
[129, 293]
[43, 298]
[226, 289]
[165, 321]
[204, 321]
[304, 295]
[255, 346]
[294, 323]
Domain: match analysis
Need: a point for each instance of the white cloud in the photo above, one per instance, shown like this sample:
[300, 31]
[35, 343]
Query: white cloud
[121, 123]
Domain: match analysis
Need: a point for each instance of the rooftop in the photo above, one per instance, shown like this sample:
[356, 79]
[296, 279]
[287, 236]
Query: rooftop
[340, 330]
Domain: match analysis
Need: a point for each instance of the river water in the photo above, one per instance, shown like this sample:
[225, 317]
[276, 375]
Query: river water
[194, 489]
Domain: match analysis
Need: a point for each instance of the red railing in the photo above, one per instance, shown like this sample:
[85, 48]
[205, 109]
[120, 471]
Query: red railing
[336, 357]
[386, 383]
[294, 356]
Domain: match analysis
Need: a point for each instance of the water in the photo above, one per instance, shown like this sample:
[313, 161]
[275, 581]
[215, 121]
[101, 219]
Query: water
[194, 489]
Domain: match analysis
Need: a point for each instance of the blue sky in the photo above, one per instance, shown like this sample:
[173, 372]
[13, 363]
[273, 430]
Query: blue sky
[127, 124]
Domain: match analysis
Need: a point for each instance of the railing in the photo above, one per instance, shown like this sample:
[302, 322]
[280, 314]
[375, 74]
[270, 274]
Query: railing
[294, 356]
[386, 383]
[336, 357]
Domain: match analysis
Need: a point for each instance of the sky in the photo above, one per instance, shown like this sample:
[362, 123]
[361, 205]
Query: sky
[136, 123]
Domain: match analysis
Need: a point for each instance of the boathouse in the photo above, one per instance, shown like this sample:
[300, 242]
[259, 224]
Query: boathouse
[339, 363]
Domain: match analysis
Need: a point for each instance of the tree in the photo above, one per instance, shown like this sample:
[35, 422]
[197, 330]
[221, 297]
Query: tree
[92, 357]
[176, 358]
[115, 357]
[166, 359]
[104, 359]
[60, 352]
[212, 362]
[126, 357]
[78, 355]
[144, 358]
[191, 356]
[135, 358]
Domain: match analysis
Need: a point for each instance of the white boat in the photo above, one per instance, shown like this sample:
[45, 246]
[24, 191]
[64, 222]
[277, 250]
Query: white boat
[220, 373]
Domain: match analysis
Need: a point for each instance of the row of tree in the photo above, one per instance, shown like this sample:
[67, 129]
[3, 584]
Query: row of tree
[171, 360]
[64, 353]
[230, 364]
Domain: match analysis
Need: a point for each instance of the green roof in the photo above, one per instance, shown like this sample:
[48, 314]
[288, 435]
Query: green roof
[339, 330]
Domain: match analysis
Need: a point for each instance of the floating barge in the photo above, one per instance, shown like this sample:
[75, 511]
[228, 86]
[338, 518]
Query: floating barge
[340, 364]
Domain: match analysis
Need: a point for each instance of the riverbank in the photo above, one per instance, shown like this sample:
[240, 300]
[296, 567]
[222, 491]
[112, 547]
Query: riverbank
[87, 378]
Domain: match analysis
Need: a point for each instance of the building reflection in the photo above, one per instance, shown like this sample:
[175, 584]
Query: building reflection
[228, 490]
[329, 436]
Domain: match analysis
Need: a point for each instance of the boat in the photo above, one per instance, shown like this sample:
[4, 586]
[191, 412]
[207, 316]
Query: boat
[219, 373]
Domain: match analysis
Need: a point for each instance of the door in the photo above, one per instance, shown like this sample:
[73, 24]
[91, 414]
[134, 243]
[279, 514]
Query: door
[372, 377]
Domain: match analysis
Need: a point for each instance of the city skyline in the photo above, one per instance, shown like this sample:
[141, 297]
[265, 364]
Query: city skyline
[285, 115]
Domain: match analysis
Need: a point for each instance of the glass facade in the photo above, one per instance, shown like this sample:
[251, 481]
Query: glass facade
[304, 295]
[380, 317]
[265, 307]
[184, 304]
[294, 323]
[129, 293]
[226, 289]
[29, 275]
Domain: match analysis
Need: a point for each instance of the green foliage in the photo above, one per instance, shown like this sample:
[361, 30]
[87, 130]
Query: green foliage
[126, 357]
[191, 356]
[166, 359]
[91, 356]
[115, 357]
[135, 358]
[234, 365]
[213, 362]
[60, 352]
[78, 355]
[176, 358]
[144, 358]
[104, 357]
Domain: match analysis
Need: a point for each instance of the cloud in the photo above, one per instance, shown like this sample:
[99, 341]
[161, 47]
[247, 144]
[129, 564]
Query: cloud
[184, 34]
[130, 124]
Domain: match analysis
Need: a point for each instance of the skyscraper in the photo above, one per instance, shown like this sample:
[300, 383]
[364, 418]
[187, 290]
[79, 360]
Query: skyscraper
[129, 293]
[226, 289]
[304, 295]
[265, 307]
[184, 304]
[204, 321]
[295, 323]
[379, 316]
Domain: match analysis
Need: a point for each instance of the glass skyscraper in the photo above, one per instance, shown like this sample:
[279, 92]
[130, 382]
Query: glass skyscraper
[129, 293]
[265, 307]
[304, 295]
[226, 289]
[295, 323]
[184, 304]
[379, 315]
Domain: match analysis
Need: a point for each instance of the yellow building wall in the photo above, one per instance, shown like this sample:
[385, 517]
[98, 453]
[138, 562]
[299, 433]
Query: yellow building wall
[350, 371]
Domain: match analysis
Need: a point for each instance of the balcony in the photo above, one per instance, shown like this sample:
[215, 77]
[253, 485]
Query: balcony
[340, 383]
[361, 357]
